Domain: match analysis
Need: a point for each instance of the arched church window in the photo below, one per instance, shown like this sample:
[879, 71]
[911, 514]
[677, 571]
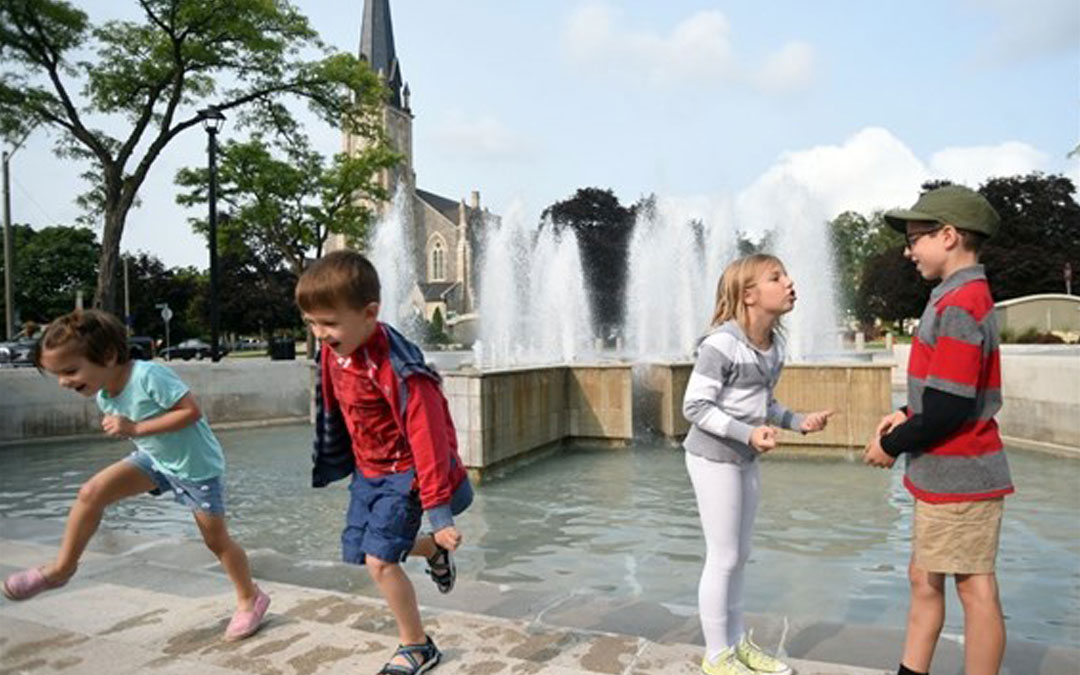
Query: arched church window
[438, 261]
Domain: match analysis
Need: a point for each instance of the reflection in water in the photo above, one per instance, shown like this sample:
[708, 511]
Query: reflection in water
[831, 540]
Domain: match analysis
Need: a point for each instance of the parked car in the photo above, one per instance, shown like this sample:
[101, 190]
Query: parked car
[191, 349]
[248, 344]
[17, 353]
[141, 347]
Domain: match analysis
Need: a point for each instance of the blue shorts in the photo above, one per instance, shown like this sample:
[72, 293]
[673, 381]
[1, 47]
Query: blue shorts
[384, 516]
[206, 496]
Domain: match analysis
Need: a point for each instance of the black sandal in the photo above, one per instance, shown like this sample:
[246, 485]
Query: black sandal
[428, 652]
[442, 570]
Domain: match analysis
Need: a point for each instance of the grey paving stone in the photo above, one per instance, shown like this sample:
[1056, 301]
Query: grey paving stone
[155, 606]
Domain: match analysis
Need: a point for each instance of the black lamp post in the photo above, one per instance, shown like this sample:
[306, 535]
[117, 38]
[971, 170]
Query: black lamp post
[212, 120]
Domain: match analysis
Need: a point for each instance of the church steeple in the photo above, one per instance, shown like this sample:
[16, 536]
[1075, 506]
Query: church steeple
[377, 47]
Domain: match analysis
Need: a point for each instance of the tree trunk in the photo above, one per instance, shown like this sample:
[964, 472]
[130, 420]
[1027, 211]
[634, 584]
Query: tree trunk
[309, 337]
[105, 294]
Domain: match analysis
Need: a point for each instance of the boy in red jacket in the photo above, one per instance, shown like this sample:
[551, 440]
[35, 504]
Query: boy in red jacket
[402, 440]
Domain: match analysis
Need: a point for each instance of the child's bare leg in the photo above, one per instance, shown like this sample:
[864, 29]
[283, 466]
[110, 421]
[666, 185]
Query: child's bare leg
[232, 557]
[984, 625]
[926, 616]
[395, 586]
[111, 484]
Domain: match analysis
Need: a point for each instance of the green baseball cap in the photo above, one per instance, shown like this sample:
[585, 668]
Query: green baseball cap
[955, 205]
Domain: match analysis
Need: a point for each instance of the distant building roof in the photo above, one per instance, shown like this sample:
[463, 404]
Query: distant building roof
[1037, 298]
[447, 207]
[436, 291]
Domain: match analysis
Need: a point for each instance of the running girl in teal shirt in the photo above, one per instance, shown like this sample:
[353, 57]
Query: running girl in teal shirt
[176, 453]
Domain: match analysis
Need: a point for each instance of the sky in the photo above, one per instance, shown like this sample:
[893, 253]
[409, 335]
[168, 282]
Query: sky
[527, 101]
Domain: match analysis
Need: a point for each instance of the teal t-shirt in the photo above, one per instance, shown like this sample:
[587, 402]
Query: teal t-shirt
[192, 453]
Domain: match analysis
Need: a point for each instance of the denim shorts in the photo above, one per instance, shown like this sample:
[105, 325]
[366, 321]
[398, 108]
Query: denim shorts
[206, 496]
[384, 516]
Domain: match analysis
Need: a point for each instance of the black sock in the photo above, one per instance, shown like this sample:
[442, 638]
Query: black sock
[904, 670]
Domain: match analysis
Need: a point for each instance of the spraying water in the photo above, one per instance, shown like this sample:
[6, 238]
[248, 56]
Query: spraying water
[393, 236]
[800, 224]
[676, 254]
[680, 248]
[532, 300]
[533, 307]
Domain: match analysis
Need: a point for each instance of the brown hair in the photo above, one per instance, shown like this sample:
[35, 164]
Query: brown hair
[971, 241]
[339, 279]
[739, 276]
[96, 335]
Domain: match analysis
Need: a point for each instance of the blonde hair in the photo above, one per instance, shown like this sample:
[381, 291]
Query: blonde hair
[738, 277]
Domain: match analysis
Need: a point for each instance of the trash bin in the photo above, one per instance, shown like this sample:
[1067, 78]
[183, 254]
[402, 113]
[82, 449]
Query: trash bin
[282, 349]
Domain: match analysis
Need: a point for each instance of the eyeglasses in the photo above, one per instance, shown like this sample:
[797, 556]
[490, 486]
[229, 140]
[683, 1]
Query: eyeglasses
[912, 237]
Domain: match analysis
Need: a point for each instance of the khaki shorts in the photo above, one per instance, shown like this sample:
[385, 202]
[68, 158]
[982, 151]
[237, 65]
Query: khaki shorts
[957, 537]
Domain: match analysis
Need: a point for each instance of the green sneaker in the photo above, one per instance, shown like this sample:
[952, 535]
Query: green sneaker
[750, 655]
[725, 664]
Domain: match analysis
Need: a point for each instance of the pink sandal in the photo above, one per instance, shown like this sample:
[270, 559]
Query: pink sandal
[28, 583]
[245, 624]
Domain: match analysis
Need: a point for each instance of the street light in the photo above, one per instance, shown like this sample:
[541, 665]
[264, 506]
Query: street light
[213, 120]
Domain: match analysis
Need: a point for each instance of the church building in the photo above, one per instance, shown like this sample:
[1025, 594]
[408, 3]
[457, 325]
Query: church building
[445, 232]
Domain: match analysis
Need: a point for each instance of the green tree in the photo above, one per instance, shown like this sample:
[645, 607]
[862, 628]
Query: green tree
[855, 240]
[890, 288]
[435, 330]
[255, 293]
[150, 283]
[1040, 232]
[603, 227]
[244, 55]
[51, 266]
[290, 204]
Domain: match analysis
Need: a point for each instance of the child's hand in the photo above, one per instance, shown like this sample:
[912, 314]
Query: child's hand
[815, 421]
[763, 439]
[874, 455]
[118, 426]
[449, 538]
[890, 421]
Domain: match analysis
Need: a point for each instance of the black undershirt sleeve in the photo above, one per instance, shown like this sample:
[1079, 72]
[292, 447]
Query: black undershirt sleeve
[943, 413]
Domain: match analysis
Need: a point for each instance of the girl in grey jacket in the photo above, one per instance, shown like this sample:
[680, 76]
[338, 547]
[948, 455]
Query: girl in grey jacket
[729, 403]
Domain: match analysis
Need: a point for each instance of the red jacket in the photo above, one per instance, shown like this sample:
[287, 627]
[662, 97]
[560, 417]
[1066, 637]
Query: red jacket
[416, 431]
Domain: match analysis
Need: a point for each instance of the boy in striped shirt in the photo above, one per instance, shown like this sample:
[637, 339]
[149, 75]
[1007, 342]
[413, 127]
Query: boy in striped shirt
[956, 465]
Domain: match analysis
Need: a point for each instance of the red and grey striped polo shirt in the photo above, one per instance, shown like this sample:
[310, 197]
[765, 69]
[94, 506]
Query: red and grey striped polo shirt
[955, 350]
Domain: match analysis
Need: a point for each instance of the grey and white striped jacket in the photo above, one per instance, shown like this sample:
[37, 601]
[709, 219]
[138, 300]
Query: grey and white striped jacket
[730, 392]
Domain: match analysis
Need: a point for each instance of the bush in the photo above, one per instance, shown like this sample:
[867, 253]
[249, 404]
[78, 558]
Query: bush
[1032, 336]
[435, 333]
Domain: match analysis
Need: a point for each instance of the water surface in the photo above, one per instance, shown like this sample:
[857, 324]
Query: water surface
[832, 537]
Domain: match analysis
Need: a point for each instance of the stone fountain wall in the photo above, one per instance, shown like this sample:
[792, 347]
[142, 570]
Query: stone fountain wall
[860, 393]
[504, 416]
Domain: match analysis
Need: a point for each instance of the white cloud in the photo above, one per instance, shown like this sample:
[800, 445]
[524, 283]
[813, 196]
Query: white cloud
[698, 50]
[789, 69]
[482, 138]
[972, 165]
[1031, 28]
[873, 169]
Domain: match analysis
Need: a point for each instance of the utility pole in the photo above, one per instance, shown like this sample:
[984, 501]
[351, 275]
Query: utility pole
[9, 256]
[127, 299]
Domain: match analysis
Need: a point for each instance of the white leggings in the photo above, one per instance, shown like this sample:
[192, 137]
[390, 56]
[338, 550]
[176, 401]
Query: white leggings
[727, 499]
